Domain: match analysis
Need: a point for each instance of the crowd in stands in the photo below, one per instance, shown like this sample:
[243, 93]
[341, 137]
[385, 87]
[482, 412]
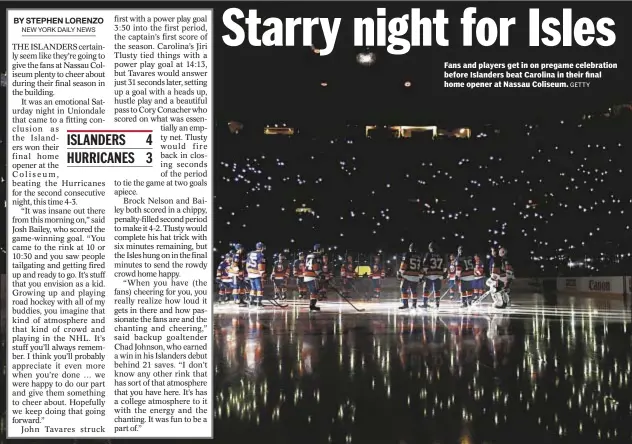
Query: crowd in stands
[557, 194]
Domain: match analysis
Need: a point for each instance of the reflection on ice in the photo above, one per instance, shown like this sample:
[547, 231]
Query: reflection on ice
[443, 377]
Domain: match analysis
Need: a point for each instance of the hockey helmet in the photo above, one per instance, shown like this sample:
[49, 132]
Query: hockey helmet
[411, 247]
[301, 254]
[317, 248]
[432, 247]
[238, 247]
[459, 250]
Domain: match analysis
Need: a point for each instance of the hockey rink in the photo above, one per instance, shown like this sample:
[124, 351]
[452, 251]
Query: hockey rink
[548, 368]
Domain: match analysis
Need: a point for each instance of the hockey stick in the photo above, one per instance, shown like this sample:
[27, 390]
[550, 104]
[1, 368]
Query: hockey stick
[446, 292]
[346, 299]
[486, 294]
[481, 298]
[276, 303]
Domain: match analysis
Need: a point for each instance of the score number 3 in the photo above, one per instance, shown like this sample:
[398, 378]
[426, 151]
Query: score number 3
[150, 157]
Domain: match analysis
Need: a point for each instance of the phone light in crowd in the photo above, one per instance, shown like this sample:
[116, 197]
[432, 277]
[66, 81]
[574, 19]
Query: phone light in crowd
[407, 84]
[235, 127]
[366, 58]
[323, 84]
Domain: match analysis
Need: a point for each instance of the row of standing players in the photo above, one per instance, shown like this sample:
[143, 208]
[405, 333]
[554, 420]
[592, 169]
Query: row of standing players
[464, 273]
[242, 275]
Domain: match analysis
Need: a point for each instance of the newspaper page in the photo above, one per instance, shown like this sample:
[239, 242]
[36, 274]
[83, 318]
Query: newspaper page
[109, 207]
[415, 207]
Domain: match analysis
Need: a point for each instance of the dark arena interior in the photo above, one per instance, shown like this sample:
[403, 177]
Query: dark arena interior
[553, 366]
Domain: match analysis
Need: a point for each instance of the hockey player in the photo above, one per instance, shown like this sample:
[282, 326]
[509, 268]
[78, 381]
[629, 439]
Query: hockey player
[297, 269]
[311, 276]
[348, 274]
[490, 263]
[506, 274]
[280, 277]
[466, 275]
[376, 276]
[256, 268]
[478, 283]
[494, 282]
[238, 273]
[453, 273]
[248, 294]
[409, 273]
[326, 276]
[434, 268]
[223, 278]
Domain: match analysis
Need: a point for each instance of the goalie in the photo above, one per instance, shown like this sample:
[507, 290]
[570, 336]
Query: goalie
[501, 277]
